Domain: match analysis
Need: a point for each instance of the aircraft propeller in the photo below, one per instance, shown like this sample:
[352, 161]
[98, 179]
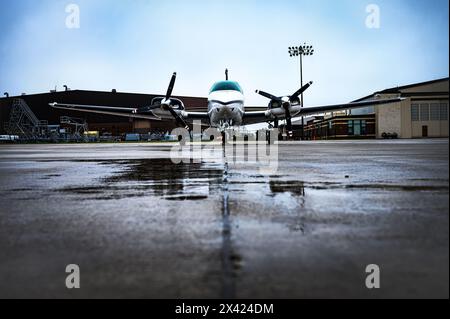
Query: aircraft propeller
[165, 104]
[286, 102]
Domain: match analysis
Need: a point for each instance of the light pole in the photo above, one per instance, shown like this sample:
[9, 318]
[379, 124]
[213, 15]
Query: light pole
[300, 51]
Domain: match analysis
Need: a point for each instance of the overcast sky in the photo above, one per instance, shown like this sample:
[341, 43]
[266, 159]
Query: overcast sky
[136, 45]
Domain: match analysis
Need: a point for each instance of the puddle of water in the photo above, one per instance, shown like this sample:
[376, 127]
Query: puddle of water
[293, 187]
[406, 188]
[155, 177]
[187, 197]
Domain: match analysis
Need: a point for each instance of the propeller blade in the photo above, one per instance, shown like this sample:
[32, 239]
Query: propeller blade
[180, 121]
[300, 91]
[171, 85]
[145, 109]
[267, 95]
[288, 120]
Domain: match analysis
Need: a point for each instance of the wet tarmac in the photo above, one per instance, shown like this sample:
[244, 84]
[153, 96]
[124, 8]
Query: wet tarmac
[140, 226]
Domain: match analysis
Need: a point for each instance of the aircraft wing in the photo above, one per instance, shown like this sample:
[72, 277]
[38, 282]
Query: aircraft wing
[155, 115]
[196, 116]
[254, 117]
[108, 110]
[339, 107]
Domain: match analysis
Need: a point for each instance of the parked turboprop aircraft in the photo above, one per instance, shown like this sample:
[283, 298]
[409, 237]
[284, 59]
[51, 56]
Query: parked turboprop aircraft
[225, 107]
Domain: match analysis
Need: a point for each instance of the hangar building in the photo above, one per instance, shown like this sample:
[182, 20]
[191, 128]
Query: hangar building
[423, 113]
[36, 107]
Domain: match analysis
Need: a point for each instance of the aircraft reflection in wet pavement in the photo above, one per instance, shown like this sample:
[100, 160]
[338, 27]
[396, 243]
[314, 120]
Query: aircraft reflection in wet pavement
[225, 107]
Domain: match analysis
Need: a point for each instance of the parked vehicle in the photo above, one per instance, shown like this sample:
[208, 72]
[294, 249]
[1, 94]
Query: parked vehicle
[132, 138]
[8, 138]
[389, 135]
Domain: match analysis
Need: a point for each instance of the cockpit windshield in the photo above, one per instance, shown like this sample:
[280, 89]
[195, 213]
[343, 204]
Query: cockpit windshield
[226, 86]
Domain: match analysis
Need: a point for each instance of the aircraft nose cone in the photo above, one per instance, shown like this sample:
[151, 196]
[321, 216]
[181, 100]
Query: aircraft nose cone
[228, 110]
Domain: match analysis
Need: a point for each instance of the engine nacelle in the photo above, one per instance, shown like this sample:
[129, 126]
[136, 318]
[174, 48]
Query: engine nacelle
[275, 104]
[176, 104]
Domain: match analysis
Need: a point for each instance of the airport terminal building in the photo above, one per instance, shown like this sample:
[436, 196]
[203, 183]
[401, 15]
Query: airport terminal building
[422, 113]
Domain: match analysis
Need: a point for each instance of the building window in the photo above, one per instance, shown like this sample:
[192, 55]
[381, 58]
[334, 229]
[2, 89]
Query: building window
[424, 112]
[350, 128]
[444, 112]
[434, 111]
[357, 127]
[415, 112]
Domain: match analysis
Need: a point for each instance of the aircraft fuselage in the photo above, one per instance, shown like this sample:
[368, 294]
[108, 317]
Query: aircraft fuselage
[226, 104]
